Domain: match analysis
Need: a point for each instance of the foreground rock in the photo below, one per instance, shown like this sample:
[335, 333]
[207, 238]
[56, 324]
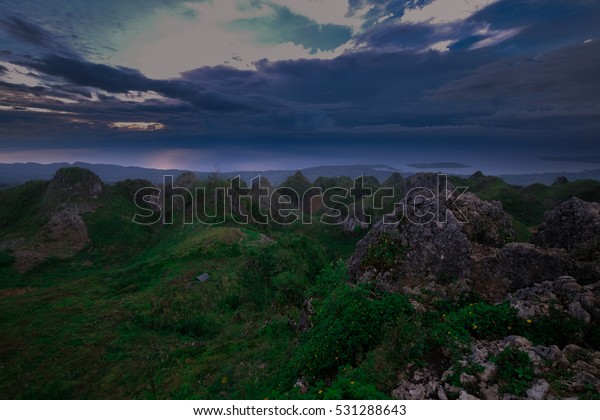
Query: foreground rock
[563, 295]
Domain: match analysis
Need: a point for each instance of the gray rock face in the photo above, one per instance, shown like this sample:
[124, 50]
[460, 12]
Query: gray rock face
[474, 241]
[434, 236]
[421, 386]
[422, 248]
[563, 295]
[522, 265]
[486, 222]
[73, 184]
[575, 226]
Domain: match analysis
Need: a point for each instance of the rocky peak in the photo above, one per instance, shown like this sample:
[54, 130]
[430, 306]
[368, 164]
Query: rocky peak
[561, 180]
[73, 184]
[186, 180]
[396, 181]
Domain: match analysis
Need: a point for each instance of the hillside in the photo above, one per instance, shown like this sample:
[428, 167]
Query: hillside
[113, 309]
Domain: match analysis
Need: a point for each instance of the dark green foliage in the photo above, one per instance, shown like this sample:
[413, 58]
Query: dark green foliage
[346, 326]
[353, 384]
[332, 276]
[20, 209]
[484, 321]
[385, 253]
[514, 371]
[556, 328]
[6, 259]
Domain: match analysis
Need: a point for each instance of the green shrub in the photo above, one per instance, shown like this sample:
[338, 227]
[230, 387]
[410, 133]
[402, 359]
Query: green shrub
[332, 276]
[353, 384]
[482, 320]
[514, 371]
[346, 326]
[556, 328]
[385, 253]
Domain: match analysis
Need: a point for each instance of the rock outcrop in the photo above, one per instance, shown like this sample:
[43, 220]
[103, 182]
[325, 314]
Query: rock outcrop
[434, 237]
[420, 241]
[475, 241]
[521, 265]
[72, 184]
[72, 192]
[575, 226]
[564, 295]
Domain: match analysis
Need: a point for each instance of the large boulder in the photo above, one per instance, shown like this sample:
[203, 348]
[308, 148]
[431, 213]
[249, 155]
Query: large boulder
[485, 221]
[575, 226]
[421, 241]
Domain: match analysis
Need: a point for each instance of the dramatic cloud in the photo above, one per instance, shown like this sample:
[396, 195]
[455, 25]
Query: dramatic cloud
[285, 26]
[300, 77]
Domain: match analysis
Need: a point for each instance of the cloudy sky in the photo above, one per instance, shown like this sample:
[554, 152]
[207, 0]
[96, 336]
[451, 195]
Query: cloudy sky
[258, 84]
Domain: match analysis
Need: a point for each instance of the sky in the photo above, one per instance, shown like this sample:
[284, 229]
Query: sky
[286, 84]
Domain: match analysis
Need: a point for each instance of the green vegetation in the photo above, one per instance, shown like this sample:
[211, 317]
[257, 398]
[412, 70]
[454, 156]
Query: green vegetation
[126, 317]
[514, 371]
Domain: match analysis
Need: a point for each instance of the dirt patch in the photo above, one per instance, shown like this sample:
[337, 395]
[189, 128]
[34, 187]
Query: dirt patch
[15, 291]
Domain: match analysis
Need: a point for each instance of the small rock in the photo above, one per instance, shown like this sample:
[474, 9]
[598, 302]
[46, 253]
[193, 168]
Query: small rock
[552, 354]
[464, 395]
[203, 278]
[491, 392]
[409, 391]
[583, 380]
[517, 341]
[577, 312]
[586, 367]
[539, 390]
[488, 371]
[572, 287]
[478, 353]
[573, 351]
[451, 389]
[466, 379]
[302, 385]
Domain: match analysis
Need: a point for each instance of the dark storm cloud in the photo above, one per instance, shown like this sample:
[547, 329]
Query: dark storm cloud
[26, 31]
[122, 80]
[545, 24]
[388, 92]
[566, 77]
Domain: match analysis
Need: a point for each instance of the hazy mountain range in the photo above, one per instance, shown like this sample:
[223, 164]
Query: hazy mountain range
[18, 173]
